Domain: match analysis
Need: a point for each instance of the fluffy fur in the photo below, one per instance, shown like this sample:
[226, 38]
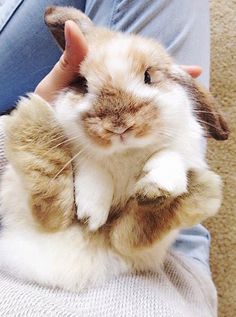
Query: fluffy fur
[139, 169]
[134, 238]
[126, 126]
[38, 150]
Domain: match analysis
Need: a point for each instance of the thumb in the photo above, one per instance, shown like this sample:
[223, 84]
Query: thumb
[67, 67]
[193, 70]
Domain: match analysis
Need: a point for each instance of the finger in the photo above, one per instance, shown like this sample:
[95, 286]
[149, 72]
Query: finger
[76, 44]
[193, 70]
[68, 66]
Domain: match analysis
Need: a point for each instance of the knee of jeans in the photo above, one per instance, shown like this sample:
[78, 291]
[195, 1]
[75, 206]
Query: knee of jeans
[194, 243]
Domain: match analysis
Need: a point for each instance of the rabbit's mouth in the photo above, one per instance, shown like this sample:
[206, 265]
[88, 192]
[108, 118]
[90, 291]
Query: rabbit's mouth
[120, 139]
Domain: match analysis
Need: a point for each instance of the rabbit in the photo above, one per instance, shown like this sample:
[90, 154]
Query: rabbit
[129, 170]
[138, 113]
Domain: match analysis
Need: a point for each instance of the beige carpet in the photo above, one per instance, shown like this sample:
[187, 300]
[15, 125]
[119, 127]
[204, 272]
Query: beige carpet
[223, 155]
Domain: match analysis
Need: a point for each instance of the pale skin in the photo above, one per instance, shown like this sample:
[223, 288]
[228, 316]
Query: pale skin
[66, 68]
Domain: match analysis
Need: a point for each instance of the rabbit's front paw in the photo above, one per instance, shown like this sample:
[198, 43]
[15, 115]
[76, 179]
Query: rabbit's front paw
[168, 172]
[174, 182]
[93, 194]
[94, 215]
[148, 192]
[157, 185]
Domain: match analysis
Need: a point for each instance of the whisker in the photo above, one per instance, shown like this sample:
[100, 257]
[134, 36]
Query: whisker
[58, 173]
[202, 111]
[210, 125]
[55, 139]
[61, 143]
[208, 112]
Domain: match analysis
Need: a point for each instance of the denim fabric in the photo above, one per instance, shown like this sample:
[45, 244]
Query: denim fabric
[195, 243]
[27, 53]
[6, 11]
[182, 26]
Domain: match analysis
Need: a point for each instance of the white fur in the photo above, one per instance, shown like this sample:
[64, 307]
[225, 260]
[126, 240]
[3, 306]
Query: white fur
[173, 150]
[167, 170]
[62, 259]
[94, 193]
[107, 177]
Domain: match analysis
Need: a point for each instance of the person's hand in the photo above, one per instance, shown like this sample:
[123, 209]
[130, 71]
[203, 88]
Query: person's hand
[66, 68]
[193, 70]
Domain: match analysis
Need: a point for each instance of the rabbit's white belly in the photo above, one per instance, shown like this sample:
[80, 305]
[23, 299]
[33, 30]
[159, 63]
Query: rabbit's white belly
[106, 182]
[126, 169]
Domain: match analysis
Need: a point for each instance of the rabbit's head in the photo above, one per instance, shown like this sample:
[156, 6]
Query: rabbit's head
[129, 93]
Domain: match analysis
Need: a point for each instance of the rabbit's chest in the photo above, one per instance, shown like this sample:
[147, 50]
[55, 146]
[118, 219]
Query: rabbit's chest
[125, 171]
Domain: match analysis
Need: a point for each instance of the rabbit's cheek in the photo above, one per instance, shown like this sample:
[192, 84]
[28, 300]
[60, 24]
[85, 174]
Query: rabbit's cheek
[96, 133]
[143, 130]
[99, 139]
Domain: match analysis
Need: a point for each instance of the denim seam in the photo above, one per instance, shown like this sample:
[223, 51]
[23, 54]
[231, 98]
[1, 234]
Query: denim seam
[114, 12]
[9, 14]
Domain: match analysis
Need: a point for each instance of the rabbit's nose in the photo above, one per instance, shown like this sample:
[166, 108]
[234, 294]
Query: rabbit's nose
[117, 130]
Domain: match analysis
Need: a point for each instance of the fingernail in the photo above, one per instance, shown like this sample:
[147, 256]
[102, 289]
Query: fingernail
[67, 35]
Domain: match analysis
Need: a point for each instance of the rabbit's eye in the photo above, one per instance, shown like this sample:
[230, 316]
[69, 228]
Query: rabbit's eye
[80, 84]
[147, 77]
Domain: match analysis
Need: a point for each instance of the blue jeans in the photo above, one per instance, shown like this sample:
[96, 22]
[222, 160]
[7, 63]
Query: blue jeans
[27, 53]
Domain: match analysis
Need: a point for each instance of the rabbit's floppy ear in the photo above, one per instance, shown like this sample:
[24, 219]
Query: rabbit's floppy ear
[55, 18]
[204, 107]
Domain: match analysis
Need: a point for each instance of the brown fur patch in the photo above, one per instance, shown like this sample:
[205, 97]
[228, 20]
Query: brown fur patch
[95, 132]
[204, 108]
[144, 222]
[55, 18]
[140, 224]
[37, 149]
[116, 109]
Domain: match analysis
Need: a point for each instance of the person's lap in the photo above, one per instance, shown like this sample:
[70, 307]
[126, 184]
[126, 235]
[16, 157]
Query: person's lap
[27, 53]
[180, 289]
